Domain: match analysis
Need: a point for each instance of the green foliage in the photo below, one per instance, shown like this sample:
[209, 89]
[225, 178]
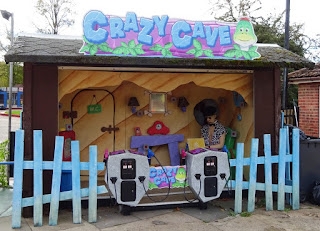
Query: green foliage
[236, 52]
[4, 74]
[198, 51]
[4, 153]
[152, 185]
[130, 48]
[92, 48]
[245, 214]
[232, 214]
[269, 29]
[165, 50]
[287, 210]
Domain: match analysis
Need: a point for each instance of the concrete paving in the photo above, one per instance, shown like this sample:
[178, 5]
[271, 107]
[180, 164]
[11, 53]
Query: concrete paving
[219, 216]
[4, 121]
[5, 201]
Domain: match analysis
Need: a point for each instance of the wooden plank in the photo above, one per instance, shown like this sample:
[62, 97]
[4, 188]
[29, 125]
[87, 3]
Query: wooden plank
[76, 199]
[56, 181]
[262, 186]
[295, 169]
[253, 175]
[268, 172]
[37, 178]
[281, 168]
[288, 178]
[18, 179]
[66, 165]
[92, 217]
[261, 160]
[239, 176]
[63, 196]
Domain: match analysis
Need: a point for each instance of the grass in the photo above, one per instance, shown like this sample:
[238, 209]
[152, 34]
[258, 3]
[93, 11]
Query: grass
[287, 210]
[245, 214]
[232, 214]
[14, 112]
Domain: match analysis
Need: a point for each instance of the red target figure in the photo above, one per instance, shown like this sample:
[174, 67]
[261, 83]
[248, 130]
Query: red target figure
[158, 128]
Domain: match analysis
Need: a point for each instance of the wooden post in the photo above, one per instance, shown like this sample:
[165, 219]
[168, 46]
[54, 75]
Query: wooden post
[239, 176]
[18, 178]
[253, 175]
[76, 199]
[56, 181]
[268, 172]
[92, 217]
[295, 168]
[37, 178]
[281, 168]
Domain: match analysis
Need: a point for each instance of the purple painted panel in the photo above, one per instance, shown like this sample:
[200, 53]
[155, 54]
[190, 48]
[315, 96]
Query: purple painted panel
[156, 140]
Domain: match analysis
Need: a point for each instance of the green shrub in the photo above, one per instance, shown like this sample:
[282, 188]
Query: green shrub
[4, 153]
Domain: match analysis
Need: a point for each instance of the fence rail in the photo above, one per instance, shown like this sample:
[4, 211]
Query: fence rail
[281, 188]
[38, 165]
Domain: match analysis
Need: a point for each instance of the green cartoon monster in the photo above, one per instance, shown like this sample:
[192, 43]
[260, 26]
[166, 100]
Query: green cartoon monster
[180, 178]
[245, 38]
[244, 35]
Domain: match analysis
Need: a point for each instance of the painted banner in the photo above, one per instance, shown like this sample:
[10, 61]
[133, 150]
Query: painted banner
[161, 37]
[160, 177]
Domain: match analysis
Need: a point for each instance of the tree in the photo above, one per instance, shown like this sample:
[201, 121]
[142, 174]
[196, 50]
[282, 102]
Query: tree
[232, 10]
[4, 68]
[269, 29]
[58, 14]
[4, 74]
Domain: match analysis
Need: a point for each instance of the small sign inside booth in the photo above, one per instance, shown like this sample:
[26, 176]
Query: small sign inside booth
[92, 109]
[160, 177]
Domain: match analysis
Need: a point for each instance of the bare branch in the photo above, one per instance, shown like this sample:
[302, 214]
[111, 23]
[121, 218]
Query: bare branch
[57, 13]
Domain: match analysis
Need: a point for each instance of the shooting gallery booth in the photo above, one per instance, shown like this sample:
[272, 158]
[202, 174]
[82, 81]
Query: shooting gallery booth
[117, 83]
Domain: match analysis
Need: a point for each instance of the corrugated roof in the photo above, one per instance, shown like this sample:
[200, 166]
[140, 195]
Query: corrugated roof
[65, 51]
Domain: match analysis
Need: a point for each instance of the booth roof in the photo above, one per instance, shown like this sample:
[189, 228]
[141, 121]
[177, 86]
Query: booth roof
[305, 75]
[63, 50]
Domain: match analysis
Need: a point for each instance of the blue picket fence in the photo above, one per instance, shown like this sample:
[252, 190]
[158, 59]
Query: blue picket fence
[38, 165]
[283, 186]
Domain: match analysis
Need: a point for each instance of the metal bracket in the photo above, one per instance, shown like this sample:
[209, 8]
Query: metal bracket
[109, 129]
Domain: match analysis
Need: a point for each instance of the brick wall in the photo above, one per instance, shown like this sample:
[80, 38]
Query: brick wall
[309, 108]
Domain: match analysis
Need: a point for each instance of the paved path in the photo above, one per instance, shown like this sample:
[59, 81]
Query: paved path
[4, 122]
[217, 217]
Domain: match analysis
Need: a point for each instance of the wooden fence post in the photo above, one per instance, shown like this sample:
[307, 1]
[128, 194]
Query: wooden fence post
[253, 175]
[37, 178]
[56, 181]
[92, 217]
[281, 168]
[76, 199]
[268, 172]
[18, 177]
[295, 168]
[239, 176]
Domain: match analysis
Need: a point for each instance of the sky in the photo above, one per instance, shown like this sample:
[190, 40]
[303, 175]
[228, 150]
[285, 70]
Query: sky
[302, 11]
